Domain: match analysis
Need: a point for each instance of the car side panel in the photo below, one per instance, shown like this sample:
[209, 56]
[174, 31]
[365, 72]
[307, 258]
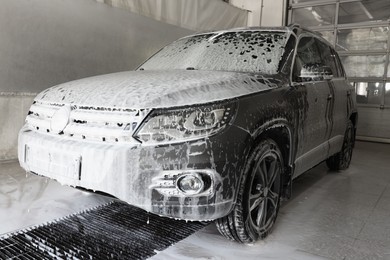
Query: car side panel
[280, 107]
[313, 146]
[339, 114]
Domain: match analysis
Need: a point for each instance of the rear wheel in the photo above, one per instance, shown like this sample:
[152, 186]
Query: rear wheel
[342, 159]
[258, 199]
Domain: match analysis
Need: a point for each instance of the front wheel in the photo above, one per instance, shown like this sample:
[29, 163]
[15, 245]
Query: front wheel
[342, 159]
[258, 199]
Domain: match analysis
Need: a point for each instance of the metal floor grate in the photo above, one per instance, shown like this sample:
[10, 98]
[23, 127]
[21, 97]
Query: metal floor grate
[113, 231]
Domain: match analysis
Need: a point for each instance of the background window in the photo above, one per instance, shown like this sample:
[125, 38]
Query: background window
[365, 10]
[359, 31]
[328, 35]
[387, 94]
[315, 15]
[388, 69]
[362, 39]
[364, 65]
[368, 92]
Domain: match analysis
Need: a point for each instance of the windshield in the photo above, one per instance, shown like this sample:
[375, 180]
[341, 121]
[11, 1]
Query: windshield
[243, 51]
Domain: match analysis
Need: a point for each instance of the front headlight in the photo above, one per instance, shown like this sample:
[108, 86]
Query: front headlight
[184, 124]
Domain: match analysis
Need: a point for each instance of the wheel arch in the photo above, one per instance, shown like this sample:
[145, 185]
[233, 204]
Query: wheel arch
[280, 131]
[281, 134]
[354, 118]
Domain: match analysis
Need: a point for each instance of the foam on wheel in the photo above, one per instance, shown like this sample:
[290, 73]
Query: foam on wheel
[258, 198]
[342, 159]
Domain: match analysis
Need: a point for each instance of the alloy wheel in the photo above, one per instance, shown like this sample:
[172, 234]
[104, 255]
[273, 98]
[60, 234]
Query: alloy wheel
[265, 192]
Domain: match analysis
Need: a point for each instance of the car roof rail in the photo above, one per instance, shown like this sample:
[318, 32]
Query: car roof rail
[294, 25]
[303, 28]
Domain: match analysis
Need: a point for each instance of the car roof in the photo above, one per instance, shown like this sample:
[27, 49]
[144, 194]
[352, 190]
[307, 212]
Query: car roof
[292, 28]
[243, 29]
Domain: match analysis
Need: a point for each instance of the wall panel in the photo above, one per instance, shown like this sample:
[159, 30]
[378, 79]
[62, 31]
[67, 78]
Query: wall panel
[47, 42]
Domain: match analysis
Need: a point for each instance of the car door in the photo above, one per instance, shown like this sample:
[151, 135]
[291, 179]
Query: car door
[341, 92]
[316, 128]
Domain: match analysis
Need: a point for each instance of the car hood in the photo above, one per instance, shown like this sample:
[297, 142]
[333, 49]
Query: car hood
[154, 89]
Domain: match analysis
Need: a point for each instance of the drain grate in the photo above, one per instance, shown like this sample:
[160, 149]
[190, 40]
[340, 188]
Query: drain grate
[113, 231]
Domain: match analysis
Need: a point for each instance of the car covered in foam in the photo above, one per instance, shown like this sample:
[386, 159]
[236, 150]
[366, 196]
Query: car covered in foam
[214, 126]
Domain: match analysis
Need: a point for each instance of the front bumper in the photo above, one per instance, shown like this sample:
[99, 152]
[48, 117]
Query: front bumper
[143, 176]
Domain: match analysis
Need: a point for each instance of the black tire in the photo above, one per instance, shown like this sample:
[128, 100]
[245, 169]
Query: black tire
[258, 199]
[342, 159]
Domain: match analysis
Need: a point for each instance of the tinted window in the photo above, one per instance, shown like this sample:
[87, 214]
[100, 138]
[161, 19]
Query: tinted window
[313, 53]
[308, 55]
[328, 58]
[339, 64]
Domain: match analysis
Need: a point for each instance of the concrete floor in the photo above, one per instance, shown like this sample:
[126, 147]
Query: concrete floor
[332, 215]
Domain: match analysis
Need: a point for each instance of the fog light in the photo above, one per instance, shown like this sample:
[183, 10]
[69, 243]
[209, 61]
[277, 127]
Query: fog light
[190, 184]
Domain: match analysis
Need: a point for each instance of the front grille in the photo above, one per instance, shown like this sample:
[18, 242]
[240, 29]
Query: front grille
[88, 122]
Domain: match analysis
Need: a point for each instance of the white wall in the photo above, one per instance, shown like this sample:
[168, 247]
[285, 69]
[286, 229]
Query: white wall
[196, 15]
[263, 12]
[46, 42]
[13, 111]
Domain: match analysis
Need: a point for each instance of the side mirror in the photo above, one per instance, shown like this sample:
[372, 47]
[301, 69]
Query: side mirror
[310, 72]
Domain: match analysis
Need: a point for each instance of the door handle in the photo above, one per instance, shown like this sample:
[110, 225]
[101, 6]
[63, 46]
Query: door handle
[330, 96]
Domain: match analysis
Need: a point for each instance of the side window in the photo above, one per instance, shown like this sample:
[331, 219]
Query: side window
[307, 56]
[339, 64]
[284, 64]
[328, 58]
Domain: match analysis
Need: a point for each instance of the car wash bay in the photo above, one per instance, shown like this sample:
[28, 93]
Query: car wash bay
[332, 215]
